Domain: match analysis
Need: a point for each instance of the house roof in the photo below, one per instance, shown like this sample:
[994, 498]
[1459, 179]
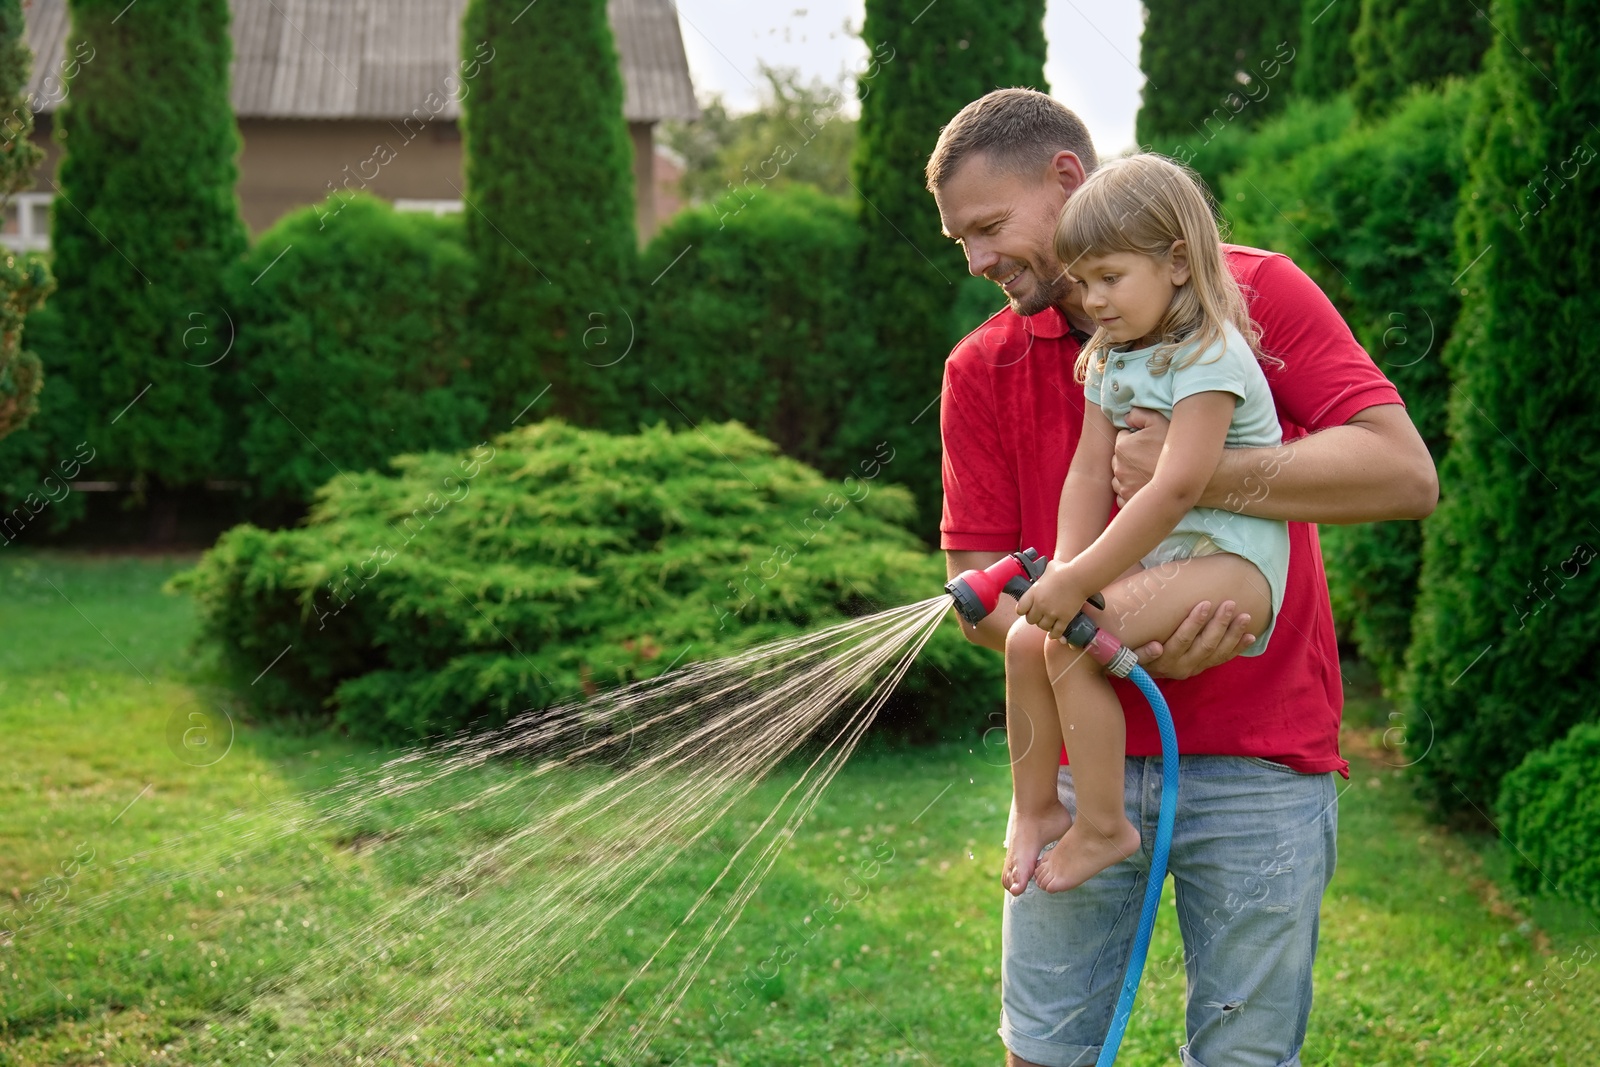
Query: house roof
[379, 59]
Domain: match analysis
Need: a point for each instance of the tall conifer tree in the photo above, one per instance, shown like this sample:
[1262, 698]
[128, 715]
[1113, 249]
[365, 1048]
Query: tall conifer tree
[926, 62]
[550, 209]
[145, 220]
[1502, 659]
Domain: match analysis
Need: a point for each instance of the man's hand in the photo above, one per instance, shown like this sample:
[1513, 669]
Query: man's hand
[1133, 462]
[1201, 641]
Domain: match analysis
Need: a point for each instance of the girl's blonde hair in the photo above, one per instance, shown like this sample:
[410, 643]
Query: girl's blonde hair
[1143, 204]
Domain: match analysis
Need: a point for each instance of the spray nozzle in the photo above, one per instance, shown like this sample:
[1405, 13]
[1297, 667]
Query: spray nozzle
[976, 592]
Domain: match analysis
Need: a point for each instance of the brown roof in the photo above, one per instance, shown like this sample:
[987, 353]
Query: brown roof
[347, 59]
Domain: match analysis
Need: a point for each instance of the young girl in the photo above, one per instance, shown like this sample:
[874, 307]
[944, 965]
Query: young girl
[1139, 240]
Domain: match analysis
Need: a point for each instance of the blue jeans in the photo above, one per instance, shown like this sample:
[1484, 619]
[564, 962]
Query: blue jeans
[1252, 853]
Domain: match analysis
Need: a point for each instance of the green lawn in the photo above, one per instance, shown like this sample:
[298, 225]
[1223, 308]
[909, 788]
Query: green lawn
[236, 937]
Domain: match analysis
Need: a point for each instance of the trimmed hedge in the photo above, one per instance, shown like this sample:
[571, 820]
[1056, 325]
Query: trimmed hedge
[759, 321]
[1502, 659]
[1550, 812]
[24, 280]
[351, 349]
[1302, 125]
[1370, 216]
[756, 315]
[464, 588]
[37, 464]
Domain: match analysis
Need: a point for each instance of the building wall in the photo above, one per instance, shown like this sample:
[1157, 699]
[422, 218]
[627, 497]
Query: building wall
[288, 163]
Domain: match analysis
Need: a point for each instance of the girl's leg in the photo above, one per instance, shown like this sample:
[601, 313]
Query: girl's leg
[1142, 607]
[1033, 735]
[1148, 605]
[1091, 717]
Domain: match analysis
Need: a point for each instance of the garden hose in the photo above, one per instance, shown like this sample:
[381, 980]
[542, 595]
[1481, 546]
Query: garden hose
[975, 593]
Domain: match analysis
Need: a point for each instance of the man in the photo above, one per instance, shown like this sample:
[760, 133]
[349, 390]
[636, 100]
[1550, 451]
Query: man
[1253, 847]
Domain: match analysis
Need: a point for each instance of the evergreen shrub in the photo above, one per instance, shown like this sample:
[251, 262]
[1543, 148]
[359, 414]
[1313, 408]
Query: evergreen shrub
[1550, 812]
[463, 588]
[351, 346]
[759, 321]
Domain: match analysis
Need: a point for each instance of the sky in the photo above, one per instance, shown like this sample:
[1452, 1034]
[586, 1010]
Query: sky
[1092, 65]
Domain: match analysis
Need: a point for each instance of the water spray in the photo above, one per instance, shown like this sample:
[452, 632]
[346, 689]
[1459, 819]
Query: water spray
[976, 592]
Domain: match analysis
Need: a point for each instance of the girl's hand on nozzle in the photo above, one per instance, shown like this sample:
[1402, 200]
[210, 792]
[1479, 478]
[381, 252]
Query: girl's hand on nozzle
[1053, 601]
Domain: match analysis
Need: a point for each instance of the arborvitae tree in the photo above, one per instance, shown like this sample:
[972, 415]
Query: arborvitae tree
[1209, 64]
[144, 223]
[1370, 213]
[1399, 43]
[25, 282]
[921, 71]
[549, 184]
[1323, 66]
[1503, 654]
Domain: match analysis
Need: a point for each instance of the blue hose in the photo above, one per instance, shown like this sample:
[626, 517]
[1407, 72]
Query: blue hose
[1158, 866]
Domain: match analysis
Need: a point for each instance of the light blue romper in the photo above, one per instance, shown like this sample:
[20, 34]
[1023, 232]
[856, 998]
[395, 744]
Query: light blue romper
[1126, 382]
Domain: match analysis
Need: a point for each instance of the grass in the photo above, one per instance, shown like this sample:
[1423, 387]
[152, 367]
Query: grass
[117, 742]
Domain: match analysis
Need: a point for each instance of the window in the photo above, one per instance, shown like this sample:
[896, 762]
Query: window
[435, 207]
[27, 222]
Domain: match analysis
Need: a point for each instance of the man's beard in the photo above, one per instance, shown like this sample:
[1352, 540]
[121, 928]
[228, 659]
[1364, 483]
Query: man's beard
[1047, 291]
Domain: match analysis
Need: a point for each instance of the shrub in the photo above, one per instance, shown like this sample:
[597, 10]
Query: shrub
[463, 588]
[24, 280]
[549, 177]
[1215, 154]
[1550, 813]
[37, 464]
[926, 63]
[758, 322]
[1370, 215]
[1502, 658]
[352, 349]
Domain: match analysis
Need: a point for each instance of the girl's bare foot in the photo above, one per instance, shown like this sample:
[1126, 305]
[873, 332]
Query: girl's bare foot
[1084, 852]
[1029, 835]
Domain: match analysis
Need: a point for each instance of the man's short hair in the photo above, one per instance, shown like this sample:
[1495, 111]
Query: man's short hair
[1017, 129]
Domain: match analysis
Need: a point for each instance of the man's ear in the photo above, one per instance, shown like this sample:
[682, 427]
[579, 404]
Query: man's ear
[1178, 261]
[1066, 169]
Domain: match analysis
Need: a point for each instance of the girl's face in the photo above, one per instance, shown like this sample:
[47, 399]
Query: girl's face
[1127, 293]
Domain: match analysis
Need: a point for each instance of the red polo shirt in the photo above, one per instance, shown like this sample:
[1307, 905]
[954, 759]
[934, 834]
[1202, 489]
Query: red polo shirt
[1010, 418]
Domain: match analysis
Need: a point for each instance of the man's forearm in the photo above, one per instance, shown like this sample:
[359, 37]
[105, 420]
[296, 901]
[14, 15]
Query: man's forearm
[991, 632]
[1344, 474]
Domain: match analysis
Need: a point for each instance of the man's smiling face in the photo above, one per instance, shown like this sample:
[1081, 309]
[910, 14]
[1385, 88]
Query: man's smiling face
[1005, 223]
